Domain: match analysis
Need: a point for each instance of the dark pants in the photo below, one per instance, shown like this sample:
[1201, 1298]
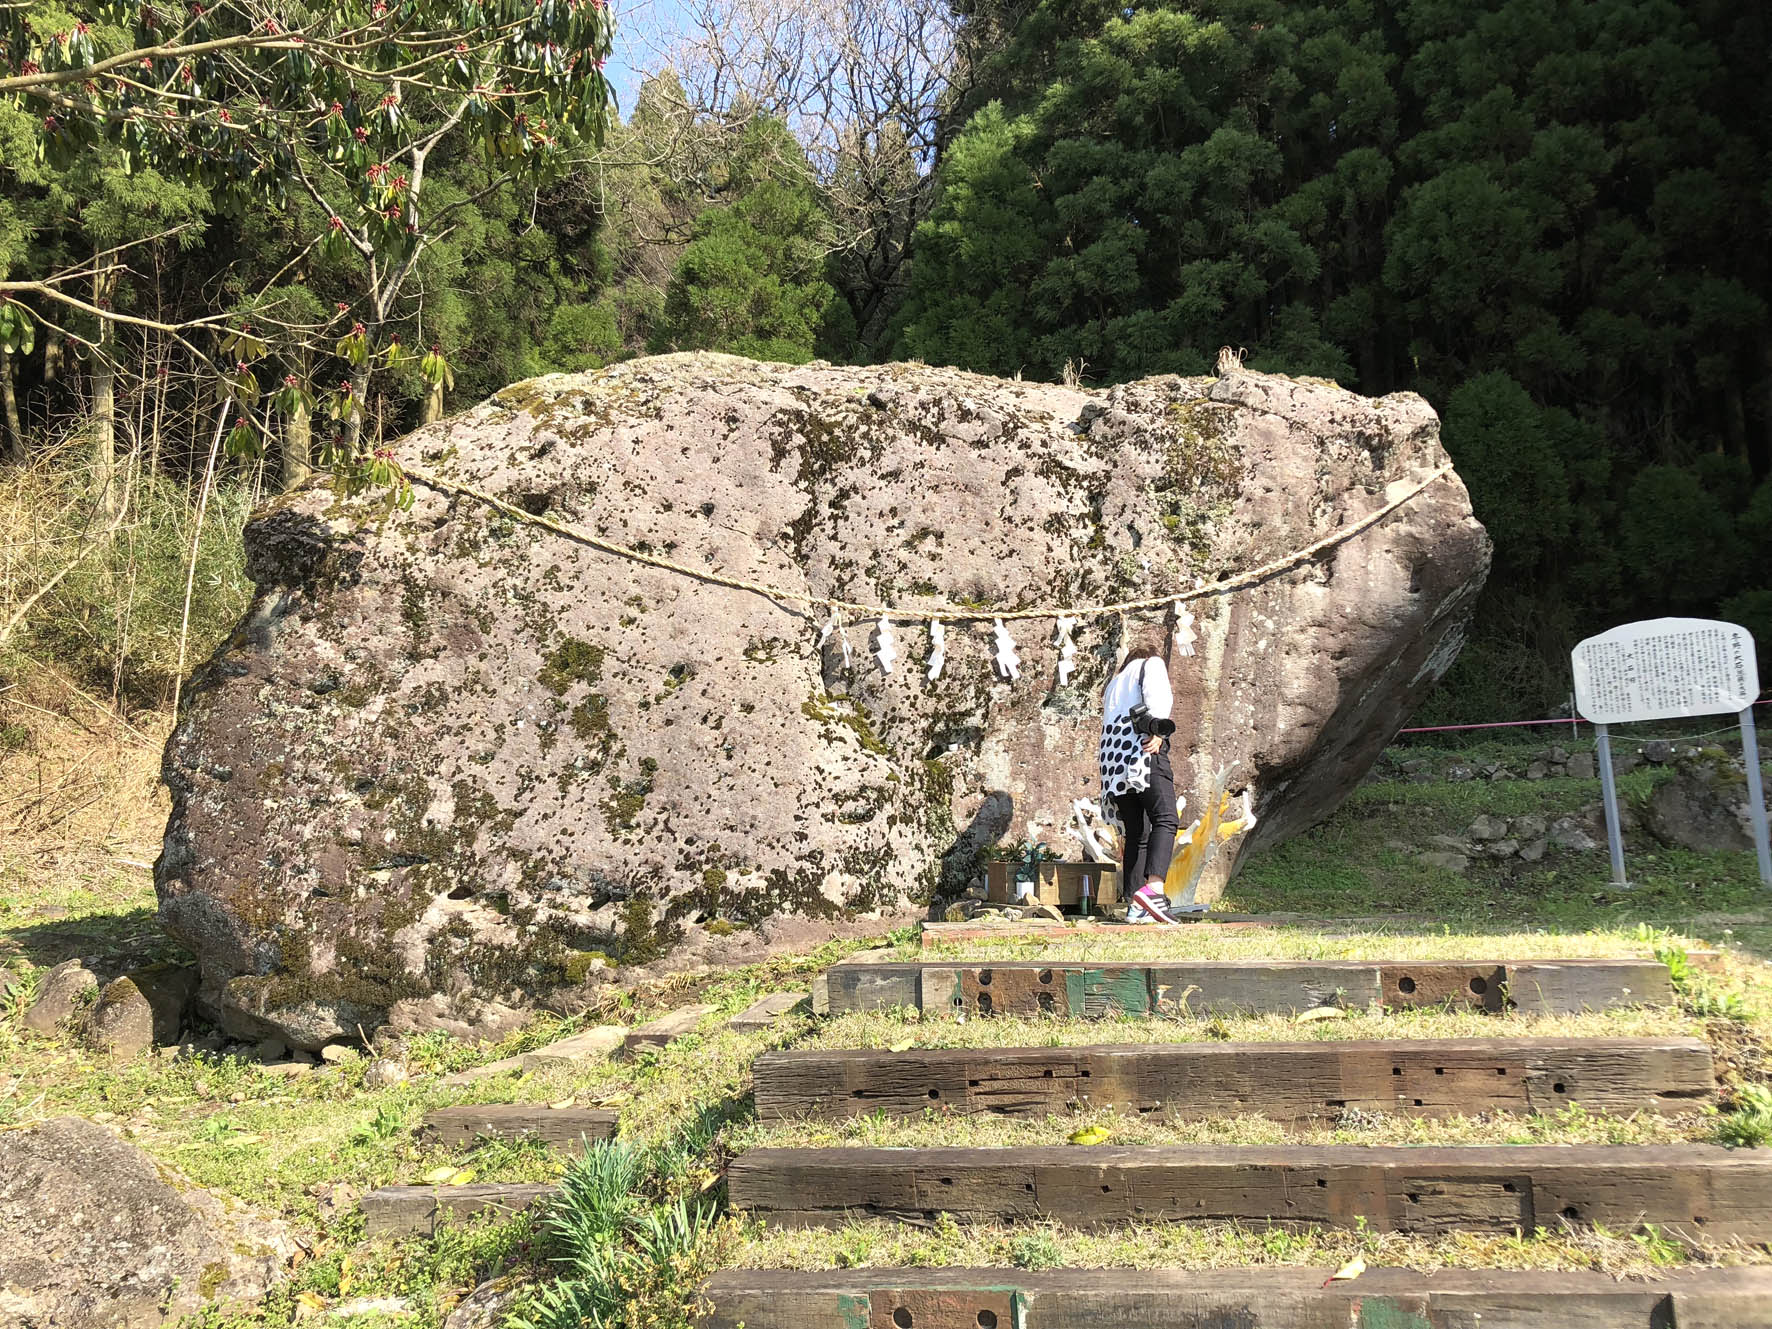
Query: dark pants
[1149, 818]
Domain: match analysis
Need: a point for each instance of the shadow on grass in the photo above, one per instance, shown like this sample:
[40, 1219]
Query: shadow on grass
[112, 941]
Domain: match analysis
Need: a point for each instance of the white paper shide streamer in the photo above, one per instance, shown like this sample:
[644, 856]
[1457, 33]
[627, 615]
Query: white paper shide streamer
[1006, 656]
[1008, 661]
[885, 647]
[1067, 649]
[1184, 631]
[938, 648]
[835, 624]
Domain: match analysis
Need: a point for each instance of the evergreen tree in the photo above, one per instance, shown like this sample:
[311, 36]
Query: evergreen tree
[354, 107]
[1549, 218]
[753, 280]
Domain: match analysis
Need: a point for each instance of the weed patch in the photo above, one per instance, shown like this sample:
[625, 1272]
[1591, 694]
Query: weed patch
[629, 1250]
[1748, 1123]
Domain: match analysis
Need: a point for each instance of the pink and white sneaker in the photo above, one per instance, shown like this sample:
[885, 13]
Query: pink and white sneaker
[1149, 905]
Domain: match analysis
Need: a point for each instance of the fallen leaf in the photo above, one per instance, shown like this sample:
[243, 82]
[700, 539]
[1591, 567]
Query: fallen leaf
[1320, 1013]
[1091, 1135]
[1351, 1270]
[562, 1105]
[345, 1279]
[904, 1046]
[438, 1175]
[308, 1303]
[462, 1176]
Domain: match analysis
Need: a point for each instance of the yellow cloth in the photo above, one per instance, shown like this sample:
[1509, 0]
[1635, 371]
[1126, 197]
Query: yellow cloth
[1201, 840]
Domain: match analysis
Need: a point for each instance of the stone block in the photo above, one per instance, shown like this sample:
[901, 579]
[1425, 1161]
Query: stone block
[64, 991]
[585, 1045]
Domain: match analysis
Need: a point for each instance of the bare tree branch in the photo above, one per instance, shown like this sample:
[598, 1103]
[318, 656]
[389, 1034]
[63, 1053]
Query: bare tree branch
[865, 86]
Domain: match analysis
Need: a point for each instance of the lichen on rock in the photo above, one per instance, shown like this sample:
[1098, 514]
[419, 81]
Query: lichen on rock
[448, 751]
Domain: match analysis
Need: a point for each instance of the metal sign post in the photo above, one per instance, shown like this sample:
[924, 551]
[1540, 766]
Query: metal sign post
[1609, 788]
[1756, 796]
[1667, 669]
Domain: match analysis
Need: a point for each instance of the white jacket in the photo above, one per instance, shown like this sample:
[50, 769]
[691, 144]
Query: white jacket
[1126, 691]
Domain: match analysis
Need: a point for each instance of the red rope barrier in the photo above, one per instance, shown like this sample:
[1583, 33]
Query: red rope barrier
[1519, 724]
[1496, 724]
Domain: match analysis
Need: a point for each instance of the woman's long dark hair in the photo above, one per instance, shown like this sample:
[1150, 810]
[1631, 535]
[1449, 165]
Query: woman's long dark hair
[1145, 648]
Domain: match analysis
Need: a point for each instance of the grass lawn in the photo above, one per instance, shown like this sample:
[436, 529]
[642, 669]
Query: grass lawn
[876, 1244]
[1363, 860]
[1202, 941]
[895, 1028]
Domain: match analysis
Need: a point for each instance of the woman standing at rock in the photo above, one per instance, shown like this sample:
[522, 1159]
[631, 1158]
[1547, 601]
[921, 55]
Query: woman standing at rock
[1137, 785]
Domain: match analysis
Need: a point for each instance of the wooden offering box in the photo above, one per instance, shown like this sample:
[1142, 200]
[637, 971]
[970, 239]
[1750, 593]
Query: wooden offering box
[1057, 884]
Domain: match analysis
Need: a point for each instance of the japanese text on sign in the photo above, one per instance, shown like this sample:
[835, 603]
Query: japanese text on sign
[1663, 669]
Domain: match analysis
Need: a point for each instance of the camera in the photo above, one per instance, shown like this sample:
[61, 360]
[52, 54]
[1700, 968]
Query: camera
[1144, 723]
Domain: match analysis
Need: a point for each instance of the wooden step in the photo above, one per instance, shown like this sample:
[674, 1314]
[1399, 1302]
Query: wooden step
[1285, 1081]
[409, 1211]
[1694, 1190]
[563, 1128]
[575, 1049]
[1225, 987]
[1243, 1298]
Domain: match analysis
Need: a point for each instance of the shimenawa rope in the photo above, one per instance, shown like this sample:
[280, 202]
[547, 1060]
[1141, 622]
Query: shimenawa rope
[955, 614]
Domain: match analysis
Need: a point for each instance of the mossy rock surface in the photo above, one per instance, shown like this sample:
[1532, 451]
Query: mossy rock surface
[1702, 804]
[450, 750]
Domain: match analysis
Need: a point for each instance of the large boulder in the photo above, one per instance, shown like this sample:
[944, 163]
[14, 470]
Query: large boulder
[457, 750]
[1704, 804]
[100, 1236]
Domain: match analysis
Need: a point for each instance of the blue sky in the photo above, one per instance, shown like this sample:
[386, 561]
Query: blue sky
[665, 15]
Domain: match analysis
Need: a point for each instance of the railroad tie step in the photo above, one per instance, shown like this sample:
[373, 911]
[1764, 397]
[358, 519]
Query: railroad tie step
[575, 1049]
[414, 1211]
[1260, 1298]
[1284, 1081]
[1689, 1190]
[561, 1128]
[1231, 987]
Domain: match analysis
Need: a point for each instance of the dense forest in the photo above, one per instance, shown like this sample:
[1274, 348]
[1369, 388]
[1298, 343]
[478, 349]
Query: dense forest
[1549, 217]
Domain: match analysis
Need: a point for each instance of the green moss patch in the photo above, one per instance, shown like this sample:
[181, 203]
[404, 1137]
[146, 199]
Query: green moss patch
[572, 661]
[848, 714]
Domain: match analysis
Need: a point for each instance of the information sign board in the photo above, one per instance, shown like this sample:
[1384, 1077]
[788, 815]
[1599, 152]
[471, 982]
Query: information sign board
[1665, 669]
[1670, 669]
